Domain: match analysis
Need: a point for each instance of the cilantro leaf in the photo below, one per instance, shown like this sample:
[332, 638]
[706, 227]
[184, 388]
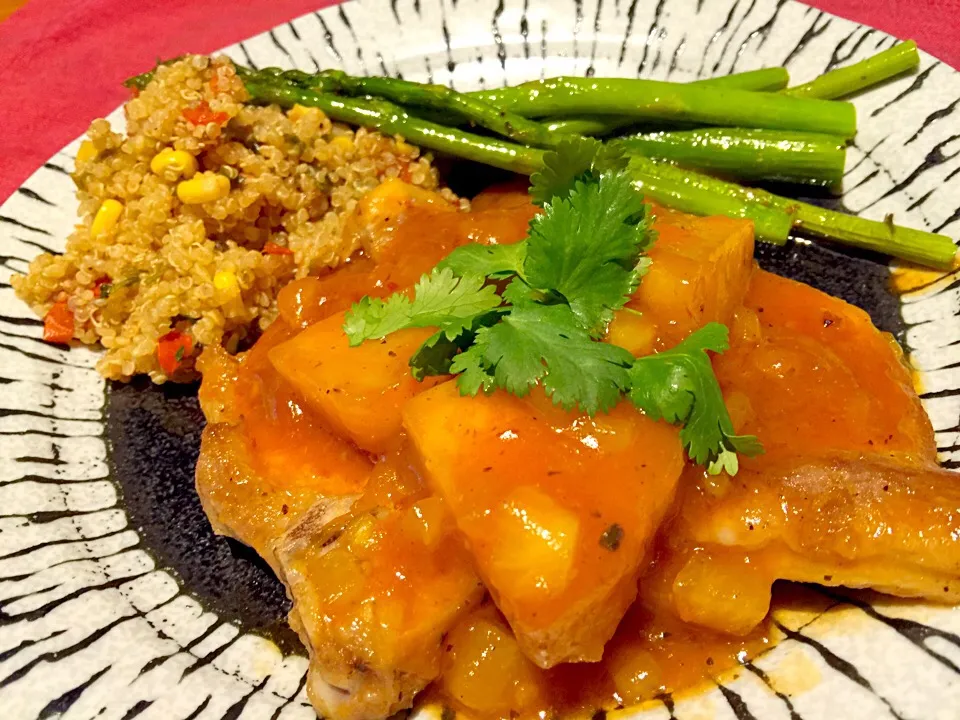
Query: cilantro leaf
[440, 299]
[435, 355]
[576, 158]
[493, 261]
[543, 343]
[679, 386]
[585, 248]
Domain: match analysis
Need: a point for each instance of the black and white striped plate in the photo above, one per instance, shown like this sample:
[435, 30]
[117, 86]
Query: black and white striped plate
[116, 601]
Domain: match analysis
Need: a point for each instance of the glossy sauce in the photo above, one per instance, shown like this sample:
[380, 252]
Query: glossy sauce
[484, 670]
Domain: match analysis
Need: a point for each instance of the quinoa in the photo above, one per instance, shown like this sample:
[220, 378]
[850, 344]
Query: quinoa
[207, 272]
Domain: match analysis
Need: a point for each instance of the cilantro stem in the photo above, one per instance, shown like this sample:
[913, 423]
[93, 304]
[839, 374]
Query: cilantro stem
[779, 155]
[851, 79]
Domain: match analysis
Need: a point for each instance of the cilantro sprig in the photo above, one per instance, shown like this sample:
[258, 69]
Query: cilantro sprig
[515, 316]
[679, 386]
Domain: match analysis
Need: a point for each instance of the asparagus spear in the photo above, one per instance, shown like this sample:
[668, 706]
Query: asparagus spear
[845, 81]
[917, 246]
[594, 126]
[764, 79]
[439, 98]
[392, 119]
[748, 154]
[775, 78]
[685, 189]
[770, 224]
[660, 101]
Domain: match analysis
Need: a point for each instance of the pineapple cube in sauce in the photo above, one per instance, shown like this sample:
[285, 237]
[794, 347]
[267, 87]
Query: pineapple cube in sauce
[558, 509]
[360, 390]
[700, 272]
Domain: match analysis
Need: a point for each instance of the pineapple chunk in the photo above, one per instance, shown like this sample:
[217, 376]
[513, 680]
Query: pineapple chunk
[485, 669]
[700, 272]
[558, 509]
[378, 213]
[536, 543]
[358, 390]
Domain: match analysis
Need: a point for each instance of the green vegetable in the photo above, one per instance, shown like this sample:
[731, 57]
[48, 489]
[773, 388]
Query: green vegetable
[441, 99]
[716, 100]
[587, 125]
[440, 300]
[586, 248]
[575, 158]
[918, 246]
[679, 386]
[851, 79]
[143, 79]
[775, 78]
[493, 261]
[656, 101]
[582, 259]
[763, 79]
[536, 343]
[748, 154]
[611, 538]
[392, 119]
[667, 186]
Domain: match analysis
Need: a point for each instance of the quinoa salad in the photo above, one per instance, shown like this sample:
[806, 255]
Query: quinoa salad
[192, 221]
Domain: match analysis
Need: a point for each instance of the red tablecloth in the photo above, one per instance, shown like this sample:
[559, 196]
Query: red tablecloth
[62, 61]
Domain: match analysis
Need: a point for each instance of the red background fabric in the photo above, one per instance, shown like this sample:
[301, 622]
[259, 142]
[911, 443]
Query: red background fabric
[62, 61]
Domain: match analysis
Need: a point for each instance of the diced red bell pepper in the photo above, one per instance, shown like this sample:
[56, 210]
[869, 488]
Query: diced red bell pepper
[201, 114]
[58, 323]
[271, 248]
[172, 349]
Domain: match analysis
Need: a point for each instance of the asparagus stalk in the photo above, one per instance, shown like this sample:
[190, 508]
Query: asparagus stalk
[748, 154]
[845, 81]
[684, 189]
[919, 246]
[765, 79]
[652, 100]
[770, 224]
[438, 99]
[595, 126]
[392, 119]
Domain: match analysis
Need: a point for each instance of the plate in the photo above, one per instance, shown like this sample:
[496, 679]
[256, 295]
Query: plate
[117, 601]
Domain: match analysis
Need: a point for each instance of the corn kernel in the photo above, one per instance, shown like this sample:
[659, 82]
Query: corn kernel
[225, 281]
[172, 164]
[343, 142]
[205, 187]
[86, 152]
[298, 111]
[106, 218]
